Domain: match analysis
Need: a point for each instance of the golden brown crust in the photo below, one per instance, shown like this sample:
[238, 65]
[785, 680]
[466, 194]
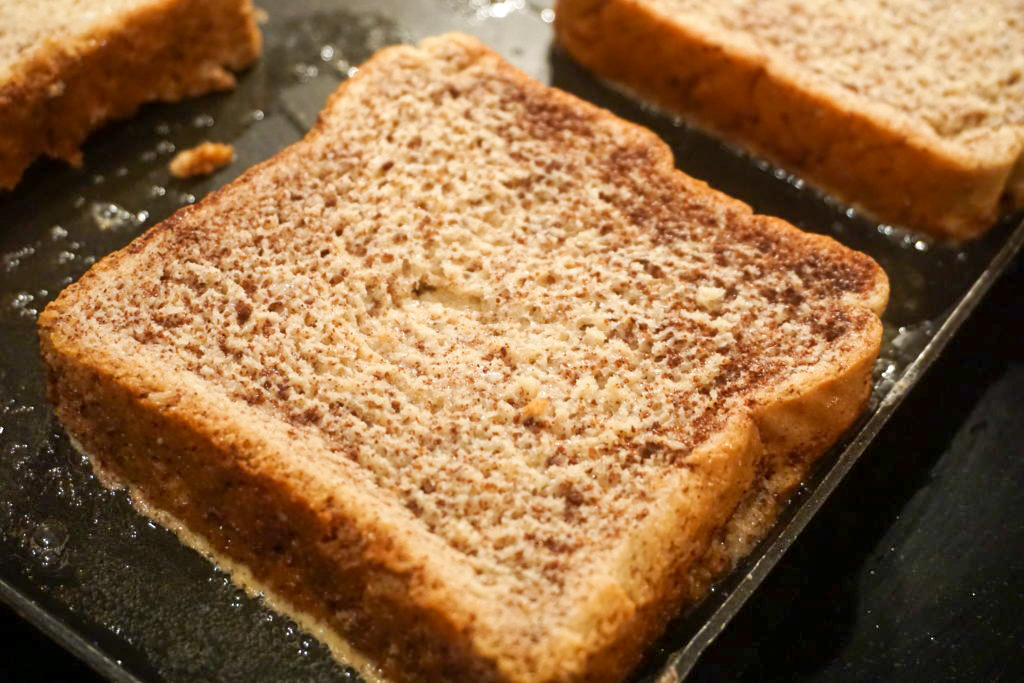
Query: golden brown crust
[351, 558]
[895, 173]
[165, 50]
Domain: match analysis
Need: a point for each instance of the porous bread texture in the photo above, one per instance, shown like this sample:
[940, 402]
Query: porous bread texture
[911, 109]
[470, 373]
[69, 66]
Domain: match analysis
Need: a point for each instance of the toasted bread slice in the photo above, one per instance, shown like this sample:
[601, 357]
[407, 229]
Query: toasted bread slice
[69, 66]
[471, 375]
[912, 111]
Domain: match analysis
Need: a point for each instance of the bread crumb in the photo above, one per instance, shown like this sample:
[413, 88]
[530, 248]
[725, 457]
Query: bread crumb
[529, 386]
[710, 298]
[202, 159]
[594, 336]
[536, 407]
[585, 388]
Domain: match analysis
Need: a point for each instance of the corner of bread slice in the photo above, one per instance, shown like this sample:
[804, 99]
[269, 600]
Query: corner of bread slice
[975, 176]
[999, 154]
[456, 50]
[622, 601]
[269, 505]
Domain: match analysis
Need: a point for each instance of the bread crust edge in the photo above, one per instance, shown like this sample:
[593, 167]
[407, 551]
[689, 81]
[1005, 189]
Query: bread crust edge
[853, 149]
[167, 50]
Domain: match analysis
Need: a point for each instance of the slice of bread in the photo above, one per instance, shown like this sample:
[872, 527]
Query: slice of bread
[471, 375]
[69, 66]
[912, 110]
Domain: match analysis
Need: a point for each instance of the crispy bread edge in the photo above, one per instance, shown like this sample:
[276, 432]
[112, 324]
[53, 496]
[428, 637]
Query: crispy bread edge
[860, 151]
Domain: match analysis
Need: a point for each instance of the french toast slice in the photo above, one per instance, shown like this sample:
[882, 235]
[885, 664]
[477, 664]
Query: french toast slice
[470, 377]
